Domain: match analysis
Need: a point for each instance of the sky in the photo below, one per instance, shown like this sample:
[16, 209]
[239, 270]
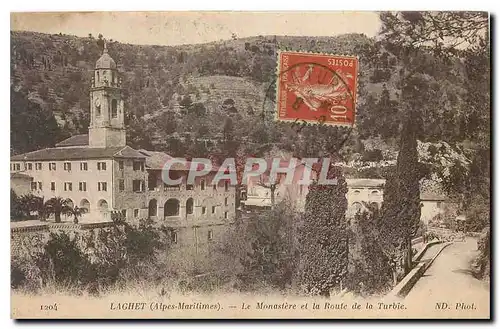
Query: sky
[174, 28]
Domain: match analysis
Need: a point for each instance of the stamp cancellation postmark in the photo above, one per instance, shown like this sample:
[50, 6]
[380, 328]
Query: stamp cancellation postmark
[316, 88]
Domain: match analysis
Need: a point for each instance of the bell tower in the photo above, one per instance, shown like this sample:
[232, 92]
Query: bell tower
[107, 127]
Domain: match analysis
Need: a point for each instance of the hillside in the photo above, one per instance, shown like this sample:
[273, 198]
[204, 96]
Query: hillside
[180, 98]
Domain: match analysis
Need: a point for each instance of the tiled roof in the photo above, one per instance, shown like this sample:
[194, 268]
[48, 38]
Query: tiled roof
[128, 152]
[77, 140]
[77, 153]
[365, 182]
[432, 196]
[155, 160]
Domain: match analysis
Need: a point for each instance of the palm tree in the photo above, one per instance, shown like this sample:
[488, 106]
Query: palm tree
[57, 206]
[77, 212]
[32, 204]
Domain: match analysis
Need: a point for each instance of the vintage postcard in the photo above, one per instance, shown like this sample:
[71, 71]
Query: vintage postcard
[250, 165]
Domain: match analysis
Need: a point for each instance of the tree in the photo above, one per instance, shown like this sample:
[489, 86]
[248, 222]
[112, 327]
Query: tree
[369, 266]
[26, 119]
[57, 206]
[442, 32]
[401, 206]
[77, 212]
[100, 42]
[32, 204]
[138, 135]
[323, 237]
[16, 211]
[417, 37]
[271, 257]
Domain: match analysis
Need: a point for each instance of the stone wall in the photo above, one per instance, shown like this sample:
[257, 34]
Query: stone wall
[196, 249]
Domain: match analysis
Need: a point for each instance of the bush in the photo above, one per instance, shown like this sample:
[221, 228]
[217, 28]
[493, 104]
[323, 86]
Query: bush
[482, 262]
[265, 246]
[369, 267]
[372, 155]
[64, 263]
[323, 237]
[95, 260]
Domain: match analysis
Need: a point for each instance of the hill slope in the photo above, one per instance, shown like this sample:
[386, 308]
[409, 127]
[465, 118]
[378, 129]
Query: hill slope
[193, 92]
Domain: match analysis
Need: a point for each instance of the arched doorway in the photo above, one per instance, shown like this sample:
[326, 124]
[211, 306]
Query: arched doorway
[171, 208]
[189, 206]
[85, 204]
[70, 203]
[153, 208]
[103, 206]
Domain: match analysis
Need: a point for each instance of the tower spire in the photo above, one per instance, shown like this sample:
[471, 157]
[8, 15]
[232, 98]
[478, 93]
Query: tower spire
[105, 50]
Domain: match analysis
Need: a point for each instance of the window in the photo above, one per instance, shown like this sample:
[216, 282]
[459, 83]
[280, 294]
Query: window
[225, 201]
[52, 166]
[33, 186]
[138, 185]
[18, 166]
[40, 186]
[82, 186]
[124, 213]
[226, 186]
[30, 166]
[189, 187]
[138, 165]
[84, 166]
[210, 235]
[68, 186]
[38, 166]
[114, 108]
[213, 209]
[202, 184]
[52, 186]
[189, 206]
[215, 187]
[203, 210]
[102, 186]
[120, 165]
[438, 204]
[356, 206]
[121, 185]
[67, 166]
[136, 213]
[225, 214]
[174, 237]
[101, 166]
[171, 208]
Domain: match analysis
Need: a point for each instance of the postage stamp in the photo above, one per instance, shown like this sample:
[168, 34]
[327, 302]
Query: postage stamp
[316, 88]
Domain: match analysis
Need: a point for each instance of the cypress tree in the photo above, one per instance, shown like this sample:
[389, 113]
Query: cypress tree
[400, 213]
[323, 237]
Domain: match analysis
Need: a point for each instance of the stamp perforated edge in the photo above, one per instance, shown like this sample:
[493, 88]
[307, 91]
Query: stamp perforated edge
[313, 122]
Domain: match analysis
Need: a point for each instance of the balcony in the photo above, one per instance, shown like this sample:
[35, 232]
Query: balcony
[171, 188]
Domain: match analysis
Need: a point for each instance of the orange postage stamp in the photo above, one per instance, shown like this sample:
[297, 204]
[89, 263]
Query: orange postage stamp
[316, 88]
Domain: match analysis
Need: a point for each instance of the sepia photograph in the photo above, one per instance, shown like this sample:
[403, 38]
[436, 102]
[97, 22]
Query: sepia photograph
[250, 165]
